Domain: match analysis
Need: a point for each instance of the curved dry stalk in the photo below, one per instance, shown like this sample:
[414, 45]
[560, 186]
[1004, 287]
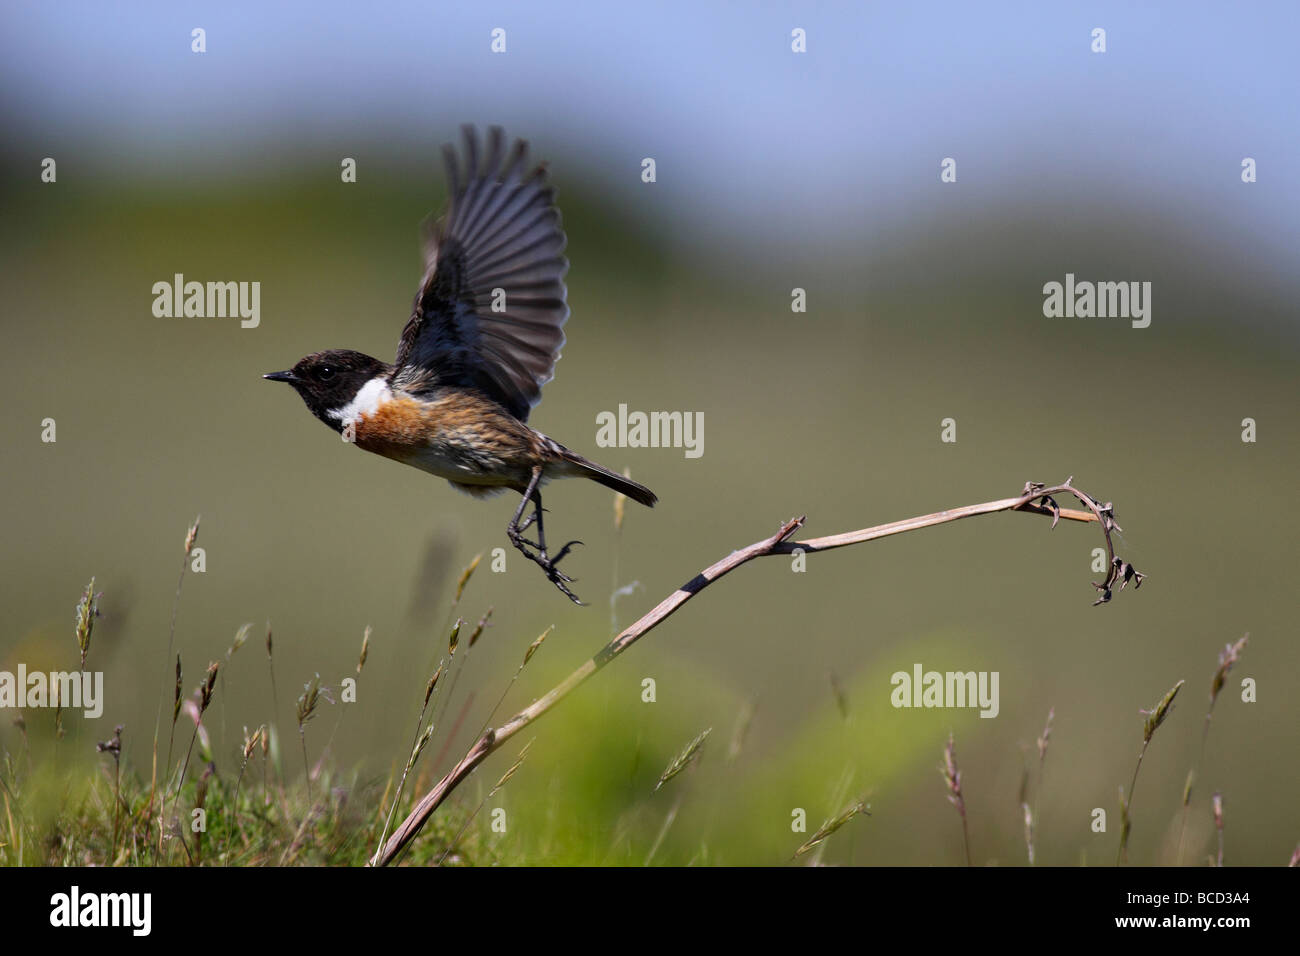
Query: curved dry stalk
[1036, 498]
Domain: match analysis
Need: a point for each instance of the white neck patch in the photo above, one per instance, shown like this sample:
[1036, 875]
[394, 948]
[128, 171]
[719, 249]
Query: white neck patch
[366, 402]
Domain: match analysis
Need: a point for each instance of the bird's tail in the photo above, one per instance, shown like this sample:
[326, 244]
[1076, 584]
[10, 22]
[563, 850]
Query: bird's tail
[582, 467]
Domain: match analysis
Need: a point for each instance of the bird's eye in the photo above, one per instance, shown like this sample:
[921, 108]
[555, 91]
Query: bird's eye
[325, 373]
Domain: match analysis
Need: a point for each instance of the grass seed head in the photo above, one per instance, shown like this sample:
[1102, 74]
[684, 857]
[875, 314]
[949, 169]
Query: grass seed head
[433, 682]
[513, 767]
[478, 628]
[113, 746]
[209, 685]
[465, 576]
[365, 649]
[533, 647]
[241, 636]
[833, 824]
[952, 776]
[87, 611]
[308, 701]
[251, 740]
[1157, 714]
[1046, 737]
[1230, 654]
[683, 759]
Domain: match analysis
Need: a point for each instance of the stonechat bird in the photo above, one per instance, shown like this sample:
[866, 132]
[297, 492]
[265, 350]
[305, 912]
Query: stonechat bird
[482, 340]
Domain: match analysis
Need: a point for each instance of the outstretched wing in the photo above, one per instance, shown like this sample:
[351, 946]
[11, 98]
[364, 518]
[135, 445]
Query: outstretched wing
[491, 308]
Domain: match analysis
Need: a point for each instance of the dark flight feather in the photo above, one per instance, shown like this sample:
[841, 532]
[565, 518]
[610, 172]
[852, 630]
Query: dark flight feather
[502, 231]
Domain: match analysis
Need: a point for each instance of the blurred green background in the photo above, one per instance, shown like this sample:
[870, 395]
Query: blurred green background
[925, 313]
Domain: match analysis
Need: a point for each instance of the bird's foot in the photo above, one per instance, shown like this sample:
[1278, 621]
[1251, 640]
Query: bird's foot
[537, 554]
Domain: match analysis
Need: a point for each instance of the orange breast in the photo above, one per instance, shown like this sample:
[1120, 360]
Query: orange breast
[459, 436]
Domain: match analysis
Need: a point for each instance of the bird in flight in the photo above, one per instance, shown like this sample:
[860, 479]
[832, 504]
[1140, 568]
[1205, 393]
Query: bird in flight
[483, 338]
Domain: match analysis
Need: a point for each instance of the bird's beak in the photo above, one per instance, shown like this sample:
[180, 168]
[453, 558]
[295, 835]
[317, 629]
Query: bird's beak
[280, 376]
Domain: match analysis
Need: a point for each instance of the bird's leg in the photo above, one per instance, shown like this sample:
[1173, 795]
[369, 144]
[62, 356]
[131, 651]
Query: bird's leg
[515, 532]
[541, 537]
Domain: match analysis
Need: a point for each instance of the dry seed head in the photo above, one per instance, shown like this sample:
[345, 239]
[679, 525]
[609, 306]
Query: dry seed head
[1046, 737]
[513, 767]
[250, 742]
[952, 775]
[420, 745]
[683, 759]
[209, 684]
[365, 649]
[87, 611]
[433, 682]
[176, 700]
[113, 746]
[191, 536]
[1230, 654]
[1295, 856]
[1218, 810]
[268, 640]
[241, 636]
[465, 576]
[833, 824]
[478, 628]
[1156, 715]
[532, 648]
[308, 701]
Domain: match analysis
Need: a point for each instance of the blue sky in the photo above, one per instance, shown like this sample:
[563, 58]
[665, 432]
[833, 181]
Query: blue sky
[850, 132]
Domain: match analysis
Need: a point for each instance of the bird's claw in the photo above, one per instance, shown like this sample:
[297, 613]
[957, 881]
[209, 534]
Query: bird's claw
[548, 563]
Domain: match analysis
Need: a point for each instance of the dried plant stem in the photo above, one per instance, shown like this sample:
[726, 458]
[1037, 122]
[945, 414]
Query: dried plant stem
[117, 802]
[1031, 815]
[1035, 499]
[1217, 803]
[180, 782]
[190, 537]
[432, 689]
[1154, 718]
[488, 796]
[1229, 656]
[249, 746]
[952, 778]
[306, 764]
[1122, 855]
[663, 830]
